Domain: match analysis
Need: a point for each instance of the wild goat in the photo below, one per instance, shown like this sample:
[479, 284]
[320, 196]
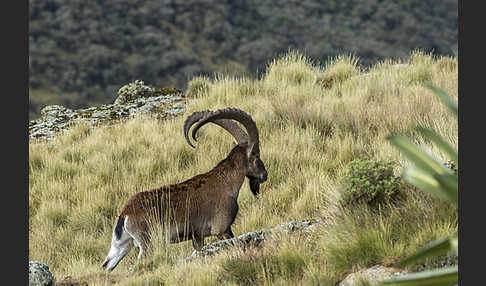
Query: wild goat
[201, 206]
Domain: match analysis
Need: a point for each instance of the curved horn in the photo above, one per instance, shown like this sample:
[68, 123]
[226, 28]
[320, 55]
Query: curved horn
[229, 125]
[235, 114]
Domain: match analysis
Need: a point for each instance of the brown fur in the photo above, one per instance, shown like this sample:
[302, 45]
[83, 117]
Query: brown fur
[200, 206]
[204, 205]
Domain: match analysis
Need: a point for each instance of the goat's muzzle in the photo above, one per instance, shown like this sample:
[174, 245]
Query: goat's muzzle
[255, 183]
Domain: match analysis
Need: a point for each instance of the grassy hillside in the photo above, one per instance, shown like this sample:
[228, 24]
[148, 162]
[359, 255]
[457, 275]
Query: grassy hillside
[82, 52]
[314, 119]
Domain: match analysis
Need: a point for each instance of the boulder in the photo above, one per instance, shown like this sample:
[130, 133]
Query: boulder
[132, 91]
[55, 111]
[373, 276]
[134, 99]
[39, 274]
[253, 238]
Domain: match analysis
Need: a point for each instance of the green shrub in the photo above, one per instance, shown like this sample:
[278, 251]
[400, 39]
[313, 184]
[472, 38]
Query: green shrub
[370, 181]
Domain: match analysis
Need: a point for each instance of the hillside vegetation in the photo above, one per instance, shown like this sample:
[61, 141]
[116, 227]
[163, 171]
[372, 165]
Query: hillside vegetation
[314, 120]
[82, 52]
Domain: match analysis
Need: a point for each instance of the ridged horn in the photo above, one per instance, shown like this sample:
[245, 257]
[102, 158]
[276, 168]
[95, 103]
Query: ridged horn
[232, 127]
[233, 114]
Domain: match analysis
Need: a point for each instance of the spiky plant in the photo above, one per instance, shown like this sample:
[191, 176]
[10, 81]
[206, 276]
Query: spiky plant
[427, 174]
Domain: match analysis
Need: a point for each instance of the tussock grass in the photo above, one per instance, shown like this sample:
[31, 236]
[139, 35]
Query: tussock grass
[309, 132]
[198, 86]
[339, 70]
[293, 68]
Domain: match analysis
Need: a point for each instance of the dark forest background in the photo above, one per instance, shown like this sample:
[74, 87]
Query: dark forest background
[82, 52]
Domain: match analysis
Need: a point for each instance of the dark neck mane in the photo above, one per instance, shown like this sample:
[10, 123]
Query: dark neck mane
[235, 149]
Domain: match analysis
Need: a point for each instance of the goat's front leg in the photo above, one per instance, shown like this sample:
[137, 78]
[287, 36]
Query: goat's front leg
[197, 242]
[226, 235]
[229, 233]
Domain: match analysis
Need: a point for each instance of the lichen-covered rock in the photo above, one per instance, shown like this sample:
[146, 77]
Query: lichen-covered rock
[55, 110]
[301, 225]
[135, 98]
[39, 274]
[133, 91]
[373, 275]
[253, 238]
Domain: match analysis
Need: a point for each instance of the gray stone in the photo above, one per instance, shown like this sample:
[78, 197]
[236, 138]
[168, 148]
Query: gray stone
[253, 238]
[147, 108]
[133, 91]
[373, 275]
[39, 274]
[54, 110]
[98, 114]
[136, 98]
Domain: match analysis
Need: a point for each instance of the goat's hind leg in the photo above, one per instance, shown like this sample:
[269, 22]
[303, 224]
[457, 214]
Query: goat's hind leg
[142, 241]
[144, 245]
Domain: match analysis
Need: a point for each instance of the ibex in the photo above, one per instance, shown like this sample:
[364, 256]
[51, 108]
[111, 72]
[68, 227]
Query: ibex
[204, 205]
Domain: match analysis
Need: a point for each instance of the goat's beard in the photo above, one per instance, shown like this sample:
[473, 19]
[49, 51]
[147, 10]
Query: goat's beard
[254, 185]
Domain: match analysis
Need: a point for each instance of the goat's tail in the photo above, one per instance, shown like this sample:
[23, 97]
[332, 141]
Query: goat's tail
[119, 226]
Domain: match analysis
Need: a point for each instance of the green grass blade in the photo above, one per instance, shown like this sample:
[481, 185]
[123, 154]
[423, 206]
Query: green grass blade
[427, 183]
[449, 185]
[421, 159]
[444, 97]
[436, 277]
[454, 243]
[440, 142]
[436, 247]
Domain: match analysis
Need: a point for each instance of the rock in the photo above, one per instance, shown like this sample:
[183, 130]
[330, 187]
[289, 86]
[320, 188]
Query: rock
[134, 98]
[55, 111]
[373, 275]
[39, 274]
[176, 109]
[133, 91]
[147, 108]
[253, 238]
[306, 225]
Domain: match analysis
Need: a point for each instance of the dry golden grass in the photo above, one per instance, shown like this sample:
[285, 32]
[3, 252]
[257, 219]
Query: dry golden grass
[309, 133]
